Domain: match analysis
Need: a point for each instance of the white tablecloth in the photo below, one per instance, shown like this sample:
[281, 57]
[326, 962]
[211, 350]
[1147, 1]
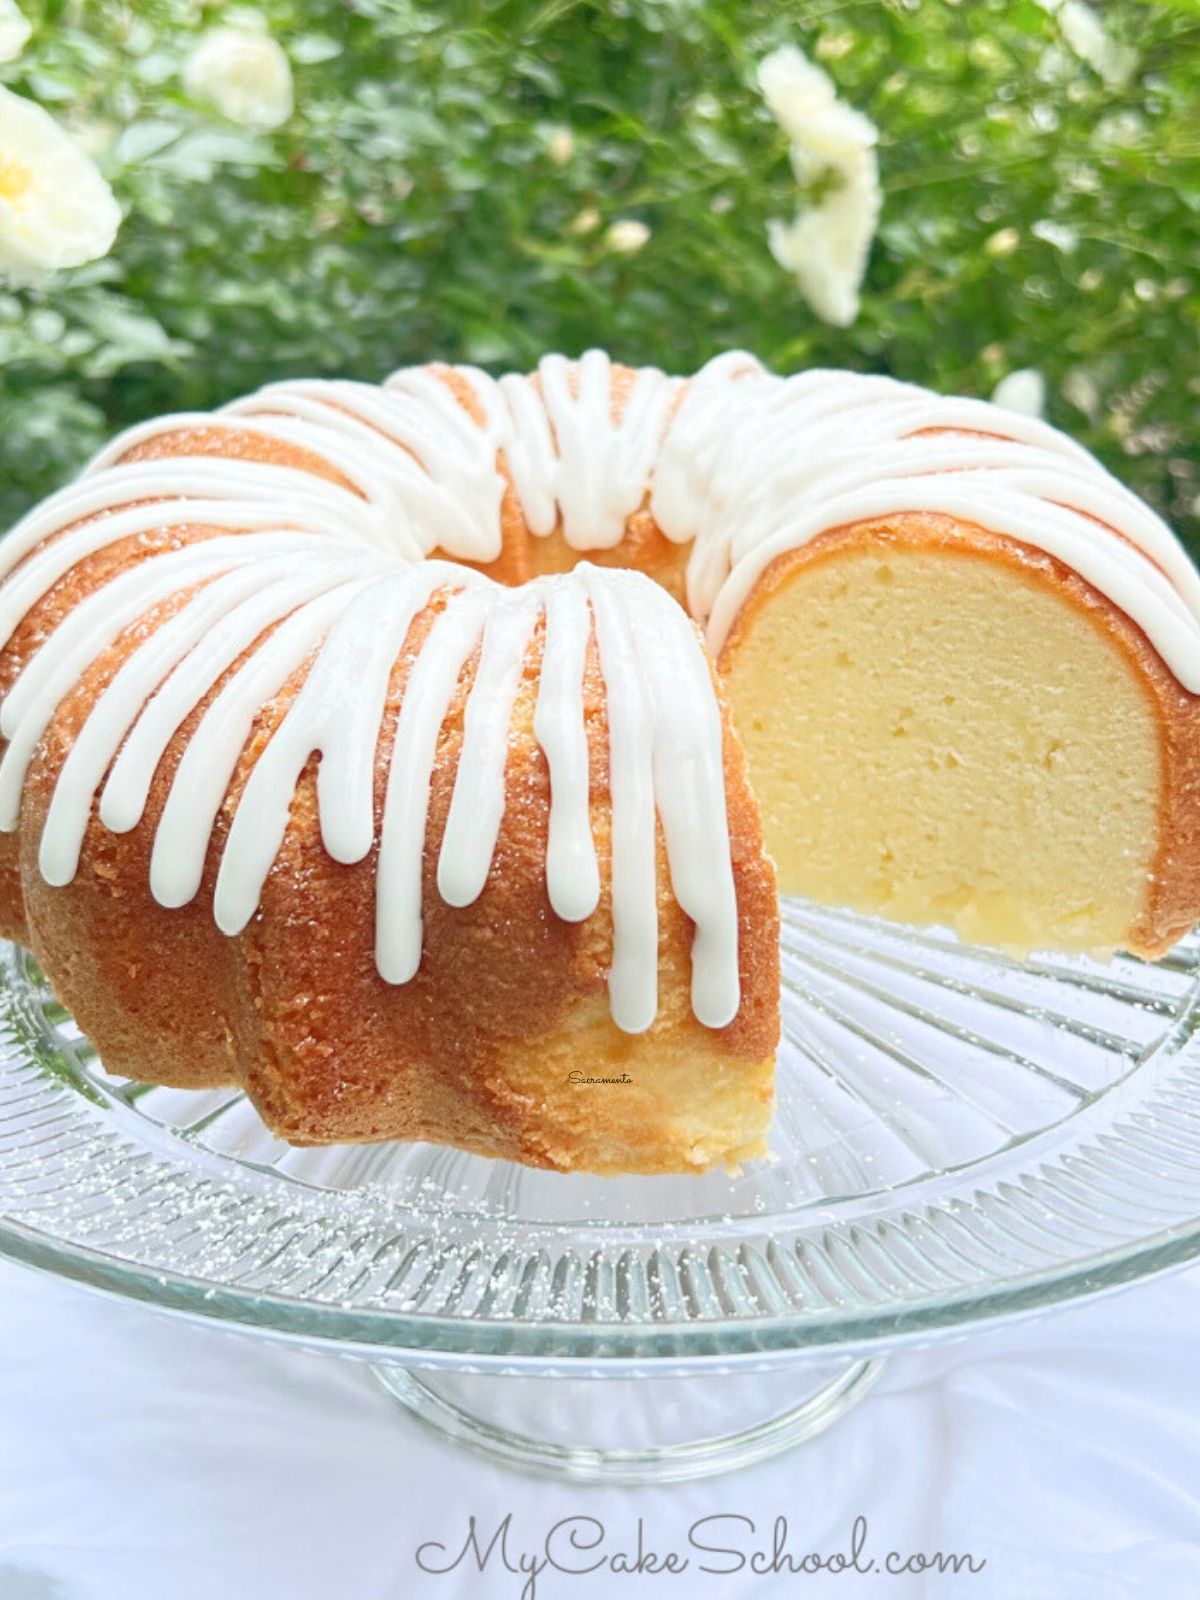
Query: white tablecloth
[144, 1459]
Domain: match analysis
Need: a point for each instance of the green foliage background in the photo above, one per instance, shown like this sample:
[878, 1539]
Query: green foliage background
[411, 208]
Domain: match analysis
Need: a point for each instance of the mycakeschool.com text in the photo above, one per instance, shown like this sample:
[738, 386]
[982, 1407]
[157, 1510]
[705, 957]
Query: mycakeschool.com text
[724, 1544]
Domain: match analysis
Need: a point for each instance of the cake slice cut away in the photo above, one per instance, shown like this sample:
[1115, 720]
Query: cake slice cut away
[946, 726]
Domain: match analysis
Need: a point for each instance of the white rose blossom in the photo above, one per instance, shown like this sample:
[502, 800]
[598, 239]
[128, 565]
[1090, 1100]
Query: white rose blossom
[1085, 34]
[55, 208]
[560, 146]
[587, 221]
[626, 236]
[15, 28]
[804, 102]
[827, 244]
[244, 73]
[1023, 391]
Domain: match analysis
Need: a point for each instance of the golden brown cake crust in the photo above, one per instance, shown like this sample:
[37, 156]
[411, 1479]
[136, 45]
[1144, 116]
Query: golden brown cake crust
[295, 1010]
[478, 1048]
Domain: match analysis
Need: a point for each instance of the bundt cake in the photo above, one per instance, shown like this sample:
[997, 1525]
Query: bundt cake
[362, 749]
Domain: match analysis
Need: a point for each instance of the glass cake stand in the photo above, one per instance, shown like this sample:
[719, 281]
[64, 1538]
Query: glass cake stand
[961, 1138]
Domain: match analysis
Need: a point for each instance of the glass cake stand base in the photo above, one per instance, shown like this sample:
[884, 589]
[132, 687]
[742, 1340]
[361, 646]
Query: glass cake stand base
[684, 1428]
[962, 1138]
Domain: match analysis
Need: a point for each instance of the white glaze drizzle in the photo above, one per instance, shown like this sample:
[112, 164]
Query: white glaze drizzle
[781, 457]
[575, 466]
[682, 482]
[127, 789]
[572, 871]
[98, 510]
[210, 757]
[354, 461]
[87, 631]
[431, 683]
[477, 805]
[633, 981]
[443, 475]
[361, 649]
[594, 467]
[1106, 563]
[741, 453]
[119, 704]
[310, 578]
[655, 642]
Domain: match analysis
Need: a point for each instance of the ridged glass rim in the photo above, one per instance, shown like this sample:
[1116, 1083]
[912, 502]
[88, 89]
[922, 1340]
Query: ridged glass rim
[434, 1338]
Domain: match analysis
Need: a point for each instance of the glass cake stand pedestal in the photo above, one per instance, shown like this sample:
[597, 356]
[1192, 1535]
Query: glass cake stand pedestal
[961, 1139]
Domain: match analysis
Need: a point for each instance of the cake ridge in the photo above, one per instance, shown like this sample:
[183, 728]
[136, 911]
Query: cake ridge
[432, 476]
[744, 465]
[342, 620]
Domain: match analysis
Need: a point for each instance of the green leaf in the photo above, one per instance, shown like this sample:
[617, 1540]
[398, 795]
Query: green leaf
[141, 140]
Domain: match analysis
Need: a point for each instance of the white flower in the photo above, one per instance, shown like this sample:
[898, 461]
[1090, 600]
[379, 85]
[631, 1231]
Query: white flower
[1060, 234]
[626, 236]
[1082, 390]
[560, 146]
[1023, 391]
[15, 28]
[244, 73]
[822, 128]
[1087, 36]
[586, 222]
[55, 208]
[1003, 242]
[826, 246]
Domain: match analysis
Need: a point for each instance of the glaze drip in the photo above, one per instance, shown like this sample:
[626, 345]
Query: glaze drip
[261, 579]
[730, 462]
[253, 616]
